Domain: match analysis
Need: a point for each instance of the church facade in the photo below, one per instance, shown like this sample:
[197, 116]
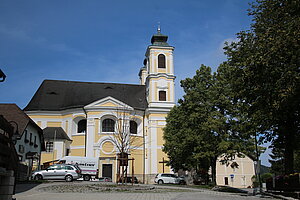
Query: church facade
[88, 118]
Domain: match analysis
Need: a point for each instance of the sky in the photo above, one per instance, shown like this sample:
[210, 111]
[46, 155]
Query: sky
[106, 41]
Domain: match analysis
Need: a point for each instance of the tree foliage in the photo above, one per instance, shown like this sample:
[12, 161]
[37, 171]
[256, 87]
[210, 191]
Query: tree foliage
[264, 71]
[205, 124]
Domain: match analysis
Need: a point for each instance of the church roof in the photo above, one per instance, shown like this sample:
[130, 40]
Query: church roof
[56, 95]
[159, 39]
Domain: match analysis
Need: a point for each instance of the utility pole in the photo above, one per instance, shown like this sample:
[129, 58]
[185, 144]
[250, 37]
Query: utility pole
[258, 165]
[53, 147]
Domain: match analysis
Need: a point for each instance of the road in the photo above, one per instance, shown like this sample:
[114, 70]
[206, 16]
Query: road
[44, 192]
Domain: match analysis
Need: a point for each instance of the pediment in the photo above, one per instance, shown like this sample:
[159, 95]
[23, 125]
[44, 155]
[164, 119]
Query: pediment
[108, 103]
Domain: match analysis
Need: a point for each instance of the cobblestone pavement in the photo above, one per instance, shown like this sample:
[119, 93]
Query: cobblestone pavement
[33, 192]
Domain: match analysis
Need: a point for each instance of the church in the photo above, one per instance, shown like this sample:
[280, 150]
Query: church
[87, 118]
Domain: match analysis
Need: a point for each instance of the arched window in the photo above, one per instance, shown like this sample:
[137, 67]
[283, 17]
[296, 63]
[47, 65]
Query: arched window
[133, 127]
[81, 128]
[162, 96]
[108, 125]
[161, 61]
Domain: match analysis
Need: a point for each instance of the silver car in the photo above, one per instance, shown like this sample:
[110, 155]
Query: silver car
[166, 178]
[58, 172]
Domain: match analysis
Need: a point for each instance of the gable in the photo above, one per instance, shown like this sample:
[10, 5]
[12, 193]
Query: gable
[108, 103]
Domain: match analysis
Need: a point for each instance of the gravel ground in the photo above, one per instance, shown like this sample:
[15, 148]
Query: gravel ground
[92, 191]
[91, 188]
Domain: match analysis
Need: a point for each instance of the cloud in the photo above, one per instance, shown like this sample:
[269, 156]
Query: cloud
[22, 35]
[16, 34]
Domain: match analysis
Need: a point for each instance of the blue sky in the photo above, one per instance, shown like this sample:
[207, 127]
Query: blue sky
[105, 41]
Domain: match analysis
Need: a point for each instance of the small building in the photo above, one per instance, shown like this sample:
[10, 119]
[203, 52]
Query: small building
[57, 144]
[8, 160]
[238, 173]
[28, 139]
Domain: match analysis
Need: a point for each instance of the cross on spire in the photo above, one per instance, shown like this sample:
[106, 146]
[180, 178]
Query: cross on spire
[158, 27]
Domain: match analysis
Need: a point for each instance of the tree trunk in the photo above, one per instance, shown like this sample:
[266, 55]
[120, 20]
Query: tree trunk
[289, 151]
[213, 170]
[288, 130]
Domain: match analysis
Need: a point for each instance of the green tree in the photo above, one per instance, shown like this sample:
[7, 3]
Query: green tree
[205, 124]
[264, 72]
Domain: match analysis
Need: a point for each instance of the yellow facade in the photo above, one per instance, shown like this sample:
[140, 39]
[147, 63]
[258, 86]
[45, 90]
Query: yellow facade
[137, 154]
[78, 140]
[109, 104]
[53, 124]
[48, 156]
[77, 152]
[162, 167]
[160, 134]
[239, 177]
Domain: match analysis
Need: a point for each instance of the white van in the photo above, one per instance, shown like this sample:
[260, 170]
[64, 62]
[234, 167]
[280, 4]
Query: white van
[88, 165]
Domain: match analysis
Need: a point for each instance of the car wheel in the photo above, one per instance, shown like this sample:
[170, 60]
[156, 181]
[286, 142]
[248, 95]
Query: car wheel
[160, 182]
[86, 177]
[181, 182]
[38, 177]
[69, 178]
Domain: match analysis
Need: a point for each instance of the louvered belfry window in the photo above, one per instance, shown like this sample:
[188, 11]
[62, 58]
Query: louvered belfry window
[162, 96]
[161, 61]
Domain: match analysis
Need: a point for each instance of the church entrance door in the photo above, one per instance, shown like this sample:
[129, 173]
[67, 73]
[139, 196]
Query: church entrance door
[107, 170]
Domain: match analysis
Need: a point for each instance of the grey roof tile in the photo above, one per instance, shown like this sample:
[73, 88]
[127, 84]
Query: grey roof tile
[56, 95]
[57, 132]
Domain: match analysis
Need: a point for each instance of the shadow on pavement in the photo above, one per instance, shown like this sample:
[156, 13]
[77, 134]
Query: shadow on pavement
[23, 187]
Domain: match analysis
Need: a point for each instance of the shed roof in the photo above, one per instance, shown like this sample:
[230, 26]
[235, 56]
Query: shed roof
[55, 132]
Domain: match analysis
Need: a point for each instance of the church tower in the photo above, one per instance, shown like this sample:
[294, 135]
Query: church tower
[157, 75]
[158, 72]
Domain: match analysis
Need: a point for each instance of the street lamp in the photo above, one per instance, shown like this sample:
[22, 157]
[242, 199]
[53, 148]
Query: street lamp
[2, 76]
[258, 164]
[16, 134]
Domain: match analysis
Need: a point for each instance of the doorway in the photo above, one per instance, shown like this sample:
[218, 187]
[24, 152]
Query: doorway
[226, 180]
[107, 170]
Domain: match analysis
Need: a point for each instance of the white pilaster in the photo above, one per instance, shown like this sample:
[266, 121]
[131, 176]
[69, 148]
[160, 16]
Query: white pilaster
[153, 143]
[171, 64]
[90, 134]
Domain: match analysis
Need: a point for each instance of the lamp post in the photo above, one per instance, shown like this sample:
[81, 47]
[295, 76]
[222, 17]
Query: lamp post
[2, 76]
[16, 134]
[258, 165]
